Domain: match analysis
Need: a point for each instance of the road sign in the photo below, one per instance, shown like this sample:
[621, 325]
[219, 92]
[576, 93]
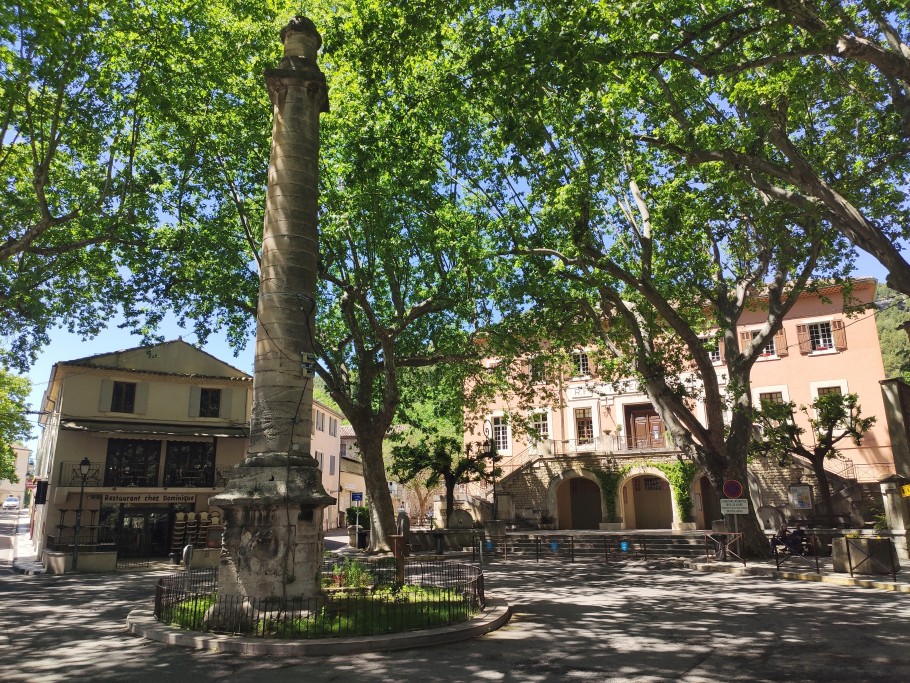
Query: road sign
[734, 506]
[357, 497]
[732, 488]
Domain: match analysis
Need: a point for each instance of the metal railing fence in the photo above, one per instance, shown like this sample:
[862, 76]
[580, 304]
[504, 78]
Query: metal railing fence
[361, 597]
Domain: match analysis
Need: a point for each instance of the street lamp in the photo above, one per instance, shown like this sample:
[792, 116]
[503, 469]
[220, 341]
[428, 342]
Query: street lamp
[491, 453]
[84, 466]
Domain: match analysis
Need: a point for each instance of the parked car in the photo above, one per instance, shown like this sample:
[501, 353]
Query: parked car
[11, 503]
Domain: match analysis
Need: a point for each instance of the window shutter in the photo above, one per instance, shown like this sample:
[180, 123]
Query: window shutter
[745, 338]
[780, 343]
[720, 350]
[226, 407]
[331, 464]
[107, 394]
[839, 333]
[802, 334]
[142, 398]
[194, 402]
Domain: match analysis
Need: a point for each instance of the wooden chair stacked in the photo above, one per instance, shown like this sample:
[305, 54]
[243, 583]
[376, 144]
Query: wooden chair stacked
[202, 533]
[178, 537]
[192, 526]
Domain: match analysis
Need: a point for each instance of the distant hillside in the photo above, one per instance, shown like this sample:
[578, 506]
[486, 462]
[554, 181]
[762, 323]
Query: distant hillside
[893, 310]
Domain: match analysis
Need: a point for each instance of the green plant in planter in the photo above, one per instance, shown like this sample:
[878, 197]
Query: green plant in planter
[351, 516]
[680, 475]
[880, 523]
[609, 486]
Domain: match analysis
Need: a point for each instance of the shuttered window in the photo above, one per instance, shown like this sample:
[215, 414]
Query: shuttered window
[822, 336]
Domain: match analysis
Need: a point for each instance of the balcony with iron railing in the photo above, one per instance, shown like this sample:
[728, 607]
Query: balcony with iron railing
[861, 472]
[608, 444]
[608, 448]
[125, 476]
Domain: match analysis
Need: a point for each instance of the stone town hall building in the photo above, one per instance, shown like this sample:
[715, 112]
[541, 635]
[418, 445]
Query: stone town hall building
[592, 428]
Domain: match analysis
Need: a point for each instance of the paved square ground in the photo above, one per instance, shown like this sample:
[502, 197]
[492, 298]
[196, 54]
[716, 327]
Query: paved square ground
[571, 622]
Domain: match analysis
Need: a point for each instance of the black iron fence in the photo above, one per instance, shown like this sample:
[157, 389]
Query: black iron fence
[563, 547]
[133, 549]
[361, 597]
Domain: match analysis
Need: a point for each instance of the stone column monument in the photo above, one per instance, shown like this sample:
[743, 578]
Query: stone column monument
[274, 500]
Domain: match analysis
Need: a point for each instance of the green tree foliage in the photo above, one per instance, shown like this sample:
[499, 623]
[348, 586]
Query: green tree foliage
[832, 418]
[655, 260]
[134, 144]
[891, 315]
[405, 278]
[14, 426]
[809, 103]
[447, 459]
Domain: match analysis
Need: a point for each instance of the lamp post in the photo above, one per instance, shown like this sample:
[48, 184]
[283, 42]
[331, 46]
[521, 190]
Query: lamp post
[491, 452]
[84, 466]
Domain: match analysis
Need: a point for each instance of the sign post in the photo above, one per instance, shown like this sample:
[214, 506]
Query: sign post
[734, 505]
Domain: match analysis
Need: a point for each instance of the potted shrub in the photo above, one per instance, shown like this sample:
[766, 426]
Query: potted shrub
[546, 521]
[867, 554]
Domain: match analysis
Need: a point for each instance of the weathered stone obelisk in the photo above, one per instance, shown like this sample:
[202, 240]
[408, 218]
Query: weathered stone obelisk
[274, 500]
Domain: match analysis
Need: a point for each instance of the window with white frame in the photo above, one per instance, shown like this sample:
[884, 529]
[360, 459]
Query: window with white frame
[537, 369]
[584, 426]
[333, 426]
[580, 364]
[778, 393]
[320, 420]
[828, 386]
[500, 432]
[820, 336]
[540, 426]
[712, 346]
[769, 349]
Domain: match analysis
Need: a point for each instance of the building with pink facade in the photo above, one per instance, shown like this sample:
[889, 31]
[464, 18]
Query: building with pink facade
[591, 431]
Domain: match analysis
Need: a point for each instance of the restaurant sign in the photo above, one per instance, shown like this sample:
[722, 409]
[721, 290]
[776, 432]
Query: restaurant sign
[149, 498]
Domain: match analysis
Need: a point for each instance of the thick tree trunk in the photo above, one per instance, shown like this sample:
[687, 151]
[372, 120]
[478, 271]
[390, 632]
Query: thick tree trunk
[755, 543]
[824, 490]
[450, 498]
[382, 516]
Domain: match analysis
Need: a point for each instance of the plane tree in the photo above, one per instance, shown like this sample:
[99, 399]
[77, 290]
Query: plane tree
[406, 282]
[134, 144]
[661, 259]
[808, 103]
[14, 426]
[832, 418]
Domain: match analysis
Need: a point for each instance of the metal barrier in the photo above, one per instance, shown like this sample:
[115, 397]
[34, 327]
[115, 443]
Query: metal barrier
[565, 547]
[868, 557]
[792, 554]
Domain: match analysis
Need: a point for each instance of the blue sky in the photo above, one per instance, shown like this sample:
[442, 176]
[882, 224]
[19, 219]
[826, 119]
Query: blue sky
[66, 346]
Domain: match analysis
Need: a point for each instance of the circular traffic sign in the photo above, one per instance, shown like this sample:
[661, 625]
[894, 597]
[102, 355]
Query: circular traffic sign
[732, 488]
